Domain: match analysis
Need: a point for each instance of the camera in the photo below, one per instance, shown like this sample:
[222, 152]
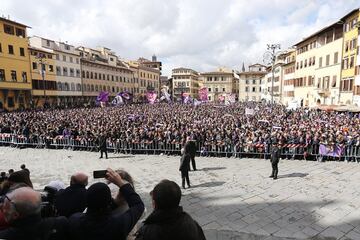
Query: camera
[48, 202]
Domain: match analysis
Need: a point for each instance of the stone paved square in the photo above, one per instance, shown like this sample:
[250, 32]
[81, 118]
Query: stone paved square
[231, 198]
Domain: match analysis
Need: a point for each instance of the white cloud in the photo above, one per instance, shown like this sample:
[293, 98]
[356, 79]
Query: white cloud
[200, 34]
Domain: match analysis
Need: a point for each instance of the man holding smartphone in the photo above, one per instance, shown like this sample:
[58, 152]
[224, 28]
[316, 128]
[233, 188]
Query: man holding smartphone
[99, 222]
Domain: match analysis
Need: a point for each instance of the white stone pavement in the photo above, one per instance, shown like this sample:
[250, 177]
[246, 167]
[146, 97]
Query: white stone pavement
[230, 198]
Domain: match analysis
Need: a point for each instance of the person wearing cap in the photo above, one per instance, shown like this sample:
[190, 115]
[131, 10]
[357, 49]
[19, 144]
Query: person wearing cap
[99, 222]
[168, 220]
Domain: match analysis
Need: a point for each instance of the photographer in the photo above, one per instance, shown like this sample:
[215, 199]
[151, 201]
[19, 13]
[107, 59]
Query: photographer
[99, 222]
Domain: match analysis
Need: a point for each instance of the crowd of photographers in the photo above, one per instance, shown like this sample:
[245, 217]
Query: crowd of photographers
[79, 211]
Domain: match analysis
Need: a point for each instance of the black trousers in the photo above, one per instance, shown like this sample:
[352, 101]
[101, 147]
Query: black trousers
[193, 163]
[103, 151]
[185, 176]
[275, 169]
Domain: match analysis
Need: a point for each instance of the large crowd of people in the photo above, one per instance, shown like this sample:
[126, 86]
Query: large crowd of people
[207, 124]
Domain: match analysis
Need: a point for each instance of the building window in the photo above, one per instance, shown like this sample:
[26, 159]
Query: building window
[58, 71]
[223, 89]
[64, 58]
[8, 29]
[71, 72]
[48, 43]
[77, 61]
[11, 49]
[320, 62]
[91, 75]
[336, 56]
[67, 47]
[2, 75]
[77, 73]
[51, 68]
[57, 57]
[65, 71]
[13, 75]
[11, 102]
[254, 89]
[22, 52]
[246, 89]
[0, 48]
[327, 60]
[209, 89]
[34, 65]
[24, 76]
[71, 59]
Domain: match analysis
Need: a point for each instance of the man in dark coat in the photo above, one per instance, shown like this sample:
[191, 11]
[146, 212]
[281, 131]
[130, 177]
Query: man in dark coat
[99, 222]
[275, 157]
[168, 220]
[21, 209]
[72, 199]
[102, 146]
[185, 168]
[190, 148]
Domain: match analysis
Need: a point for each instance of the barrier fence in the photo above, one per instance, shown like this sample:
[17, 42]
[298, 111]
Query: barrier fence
[254, 150]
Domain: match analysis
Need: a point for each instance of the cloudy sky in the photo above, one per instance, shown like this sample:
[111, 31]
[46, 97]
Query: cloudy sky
[199, 34]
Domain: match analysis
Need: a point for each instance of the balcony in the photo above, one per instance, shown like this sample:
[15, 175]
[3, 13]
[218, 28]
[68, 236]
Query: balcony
[324, 92]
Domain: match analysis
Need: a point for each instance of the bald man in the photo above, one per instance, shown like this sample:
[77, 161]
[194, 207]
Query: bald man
[72, 199]
[21, 209]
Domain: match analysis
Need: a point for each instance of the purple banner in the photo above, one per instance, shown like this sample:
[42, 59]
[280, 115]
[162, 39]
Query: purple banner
[103, 97]
[151, 96]
[203, 94]
[331, 150]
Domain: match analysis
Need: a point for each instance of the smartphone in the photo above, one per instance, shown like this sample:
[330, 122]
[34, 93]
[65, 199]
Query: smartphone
[99, 174]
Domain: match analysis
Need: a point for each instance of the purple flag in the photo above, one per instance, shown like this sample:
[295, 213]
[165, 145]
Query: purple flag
[103, 97]
[333, 150]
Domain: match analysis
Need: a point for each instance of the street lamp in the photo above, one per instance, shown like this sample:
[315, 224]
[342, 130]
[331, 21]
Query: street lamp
[41, 59]
[270, 58]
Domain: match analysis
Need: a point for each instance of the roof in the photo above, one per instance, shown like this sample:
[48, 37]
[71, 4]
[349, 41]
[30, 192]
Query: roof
[41, 49]
[349, 14]
[252, 72]
[182, 68]
[13, 22]
[217, 73]
[257, 64]
[319, 32]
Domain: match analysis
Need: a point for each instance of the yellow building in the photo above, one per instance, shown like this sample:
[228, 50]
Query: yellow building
[349, 89]
[44, 88]
[288, 78]
[15, 81]
[185, 81]
[219, 83]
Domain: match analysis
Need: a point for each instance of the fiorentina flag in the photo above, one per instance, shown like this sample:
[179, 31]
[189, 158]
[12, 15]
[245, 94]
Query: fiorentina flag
[231, 97]
[151, 96]
[103, 97]
[333, 150]
[126, 95]
[221, 98]
[203, 94]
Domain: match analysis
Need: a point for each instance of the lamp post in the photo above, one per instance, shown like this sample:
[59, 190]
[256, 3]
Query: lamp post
[41, 59]
[270, 58]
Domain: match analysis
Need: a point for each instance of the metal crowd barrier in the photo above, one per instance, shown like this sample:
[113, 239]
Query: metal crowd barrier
[216, 149]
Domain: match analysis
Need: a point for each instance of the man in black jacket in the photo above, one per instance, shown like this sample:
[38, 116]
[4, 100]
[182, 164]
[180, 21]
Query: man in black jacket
[190, 148]
[102, 145]
[185, 168]
[72, 199]
[275, 157]
[21, 209]
[99, 222]
[168, 220]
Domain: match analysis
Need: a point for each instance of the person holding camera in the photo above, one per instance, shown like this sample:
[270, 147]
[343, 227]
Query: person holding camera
[99, 222]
